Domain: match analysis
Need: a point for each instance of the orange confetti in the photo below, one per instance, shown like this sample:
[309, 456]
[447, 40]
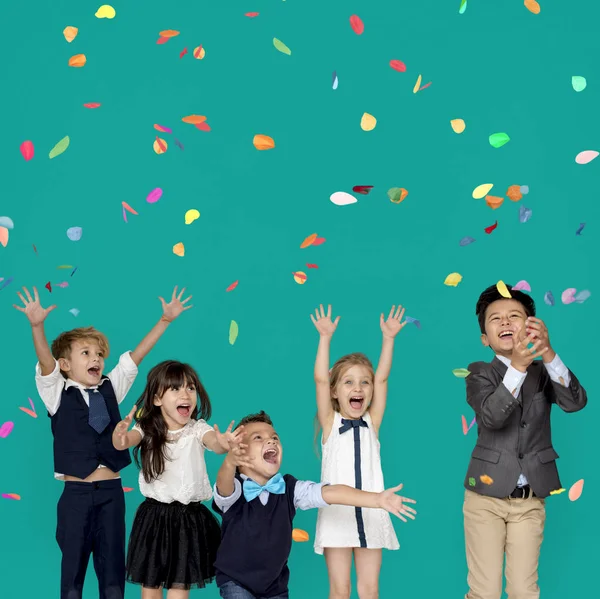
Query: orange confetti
[169, 33]
[3, 236]
[30, 412]
[129, 208]
[78, 60]
[300, 277]
[179, 249]
[232, 286]
[160, 145]
[533, 6]
[194, 119]
[263, 142]
[70, 33]
[300, 536]
[486, 480]
[162, 129]
[308, 241]
[127, 489]
[11, 496]
[494, 202]
[514, 193]
[576, 490]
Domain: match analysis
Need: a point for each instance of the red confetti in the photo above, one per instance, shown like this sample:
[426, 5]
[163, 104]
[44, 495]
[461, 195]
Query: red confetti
[465, 425]
[204, 126]
[425, 86]
[28, 411]
[319, 241]
[364, 189]
[489, 229]
[183, 53]
[251, 14]
[232, 286]
[35, 249]
[27, 150]
[198, 51]
[162, 40]
[127, 489]
[300, 275]
[398, 65]
[48, 286]
[92, 105]
[161, 145]
[311, 266]
[357, 25]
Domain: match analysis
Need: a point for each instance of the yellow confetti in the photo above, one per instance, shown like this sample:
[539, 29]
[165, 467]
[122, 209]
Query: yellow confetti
[532, 6]
[300, 277]
[179, 249]
[453, 279]
[558, 491]
[160, 146]
[417, 85]
[70, 33]
[368, 122]
[139, 413]
[482, 190]
[191, 216]
[503, 290]
[199, 53]
[233, 332]
[458, 125]
[106, 11]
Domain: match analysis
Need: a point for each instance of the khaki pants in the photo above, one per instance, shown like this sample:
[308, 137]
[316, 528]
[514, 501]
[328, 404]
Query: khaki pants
[495, 527]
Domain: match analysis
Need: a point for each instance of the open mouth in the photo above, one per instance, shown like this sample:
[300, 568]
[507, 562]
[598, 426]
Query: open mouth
[356, 402]
[270, 456]
[506, 335]
[94, 371]
[184, 409]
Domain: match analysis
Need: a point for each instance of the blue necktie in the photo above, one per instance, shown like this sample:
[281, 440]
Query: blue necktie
[98, 418]
[275, 485]
[348, 424]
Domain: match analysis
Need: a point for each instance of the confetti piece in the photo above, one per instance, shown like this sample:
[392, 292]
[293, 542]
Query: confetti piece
[154, 196]
[160, 145]
[27, 150]
[414, 321]
[482, 190]
[233, 332]
[362, 189]
[524, 214]
[6, 222]
[368, 122]
[203, 126]
[458, 125]
[341, 198]
[70, 33]
[494, 202]
[64, 267]
[586, 156]
[162, 40]
[127, 207]
[466, 241]
[6, 429]
[48, 286]
[308, 241]
[74, 311]
[578, 83]
[11, 496]
[311, 266]
[74, 233]
[461, 373]
[463, 7]
[3, 236]
[522, 286]
[557, 491]
[576, 490]
[503, 289]
[397, 194]
[191, 216]
[319, 241]
[472, 482]
[357, 25]
[194, 119]
[300, 277]
[251, 14]
[568, 295]
[549, 298]
[263, 142]
[74, 271]
[524, 189]
[168, 33]
[6, 283]
[514, 193]
[199, 52]
[162, 129]
[28, 411]
[300, 536]
[491, 228]
[61, 285]
[183, 53]
[582, 296]
[106, 11]
[486, 480]
[92, 105]
[178, 144]
[232, 286]
[139, 413]
[425, 86]
[532, 6]
[466, 428]
[453, 279]
[179, 249]
[335, 81]
[60, 147]
[578, 232]
[77, 61]
[127, 489]
[417, 85]
[398, 65]
[279, 45]
[497, 140]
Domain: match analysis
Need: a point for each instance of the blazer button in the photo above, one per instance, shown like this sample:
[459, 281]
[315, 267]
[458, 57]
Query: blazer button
[520, 456]
[523, 424]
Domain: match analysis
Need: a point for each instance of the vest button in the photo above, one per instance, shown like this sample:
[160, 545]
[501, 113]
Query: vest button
[520, 456]
[523, 424]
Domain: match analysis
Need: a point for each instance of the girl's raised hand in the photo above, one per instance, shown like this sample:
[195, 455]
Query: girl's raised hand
[323, 321]
[388, 500]
[175, 307]
[393, 325]
[120, 432]
[33, 309]
[228, 439]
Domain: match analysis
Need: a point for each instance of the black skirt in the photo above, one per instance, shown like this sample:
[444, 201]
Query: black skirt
[172, 545]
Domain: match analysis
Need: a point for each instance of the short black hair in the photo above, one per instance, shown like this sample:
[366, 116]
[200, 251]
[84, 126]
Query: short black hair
[261, 416]
[491, 294]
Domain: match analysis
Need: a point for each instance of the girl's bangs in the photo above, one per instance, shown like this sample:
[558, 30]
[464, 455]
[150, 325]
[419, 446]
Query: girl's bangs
[176, 376]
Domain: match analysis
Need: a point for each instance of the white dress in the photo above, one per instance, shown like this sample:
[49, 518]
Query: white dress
[346, 526]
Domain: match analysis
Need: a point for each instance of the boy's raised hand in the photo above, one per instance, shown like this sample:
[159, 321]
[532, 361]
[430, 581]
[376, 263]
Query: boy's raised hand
[522, 355]
[237, 456]
[34, 311]
[323, 321]
[175, 307]
[393, 325]
[120, 432]
[388, 500]
[229, 438]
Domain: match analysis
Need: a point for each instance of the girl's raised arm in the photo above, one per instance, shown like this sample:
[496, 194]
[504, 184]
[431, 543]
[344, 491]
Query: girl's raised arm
[326, 328]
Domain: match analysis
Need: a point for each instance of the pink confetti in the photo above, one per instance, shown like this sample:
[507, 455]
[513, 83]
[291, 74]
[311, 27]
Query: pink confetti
[522, 286]
[6, 429]
[154, 195]
[11, 496]
[586, 156]
[568, 295]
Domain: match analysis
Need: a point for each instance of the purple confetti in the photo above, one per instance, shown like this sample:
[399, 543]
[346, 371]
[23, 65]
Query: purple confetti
[549, 298]
[465, 241]
[6, 429]
[154, 195]
[524, 214]
[581, 227]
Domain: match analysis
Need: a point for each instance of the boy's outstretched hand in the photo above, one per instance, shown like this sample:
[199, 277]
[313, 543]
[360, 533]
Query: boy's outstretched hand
[388, 500]
[229, 439]
[238, 456]
[323, 321]
[175, 307]
[393, 325]
[34, 311]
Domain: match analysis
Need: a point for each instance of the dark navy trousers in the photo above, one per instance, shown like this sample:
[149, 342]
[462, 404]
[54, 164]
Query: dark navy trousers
[91, 520]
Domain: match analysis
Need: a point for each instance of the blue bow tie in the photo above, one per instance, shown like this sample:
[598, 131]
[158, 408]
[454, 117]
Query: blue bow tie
[348, 424]
[274, 485]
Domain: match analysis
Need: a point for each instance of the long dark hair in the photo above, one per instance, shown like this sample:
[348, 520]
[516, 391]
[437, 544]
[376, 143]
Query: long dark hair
[149, 454]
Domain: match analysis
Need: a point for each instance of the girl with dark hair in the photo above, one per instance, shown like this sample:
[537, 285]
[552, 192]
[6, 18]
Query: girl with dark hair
[174, 538]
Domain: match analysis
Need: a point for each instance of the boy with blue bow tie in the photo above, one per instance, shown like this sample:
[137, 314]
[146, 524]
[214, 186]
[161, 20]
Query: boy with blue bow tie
[258, 505]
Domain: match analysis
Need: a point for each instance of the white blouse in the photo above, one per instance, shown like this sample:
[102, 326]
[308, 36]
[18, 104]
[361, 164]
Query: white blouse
[185, 478]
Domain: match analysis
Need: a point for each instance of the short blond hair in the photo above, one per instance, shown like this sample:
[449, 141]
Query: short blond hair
[62, 345]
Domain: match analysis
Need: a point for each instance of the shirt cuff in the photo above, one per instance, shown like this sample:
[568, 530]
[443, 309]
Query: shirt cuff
[557, 371]
[48, 377]
[513, 380]
[224, 503]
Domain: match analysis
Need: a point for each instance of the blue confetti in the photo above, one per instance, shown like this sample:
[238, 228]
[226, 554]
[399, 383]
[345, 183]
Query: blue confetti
[582, 296]
[5, 282]
[524, 214]
[581, 227]
[524, 189]
[465, 241]
[414, 321]
[549, 298]
[74, 233]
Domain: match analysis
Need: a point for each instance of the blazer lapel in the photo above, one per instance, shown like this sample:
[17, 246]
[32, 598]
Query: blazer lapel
[530, 386]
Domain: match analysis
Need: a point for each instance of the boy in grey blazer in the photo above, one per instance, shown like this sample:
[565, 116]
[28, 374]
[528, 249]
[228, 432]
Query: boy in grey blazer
[513, 466]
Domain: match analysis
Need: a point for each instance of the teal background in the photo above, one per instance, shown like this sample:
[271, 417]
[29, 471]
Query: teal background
[499, 67]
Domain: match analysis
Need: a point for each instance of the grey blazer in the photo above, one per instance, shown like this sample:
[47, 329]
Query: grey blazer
[513, 434]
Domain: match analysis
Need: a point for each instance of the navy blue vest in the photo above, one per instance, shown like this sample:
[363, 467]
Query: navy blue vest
[78, 448]
[256, 542]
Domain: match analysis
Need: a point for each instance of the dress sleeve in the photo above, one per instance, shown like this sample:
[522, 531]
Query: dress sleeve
[200, 429]
[138, 428]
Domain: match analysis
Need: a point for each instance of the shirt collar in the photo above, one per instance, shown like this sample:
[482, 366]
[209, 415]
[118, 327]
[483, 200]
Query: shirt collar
[503, 359]
[72, 383]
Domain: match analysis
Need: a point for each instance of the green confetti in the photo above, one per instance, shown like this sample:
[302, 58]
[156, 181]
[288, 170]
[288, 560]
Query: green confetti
[497, 140]
[281, 46]
[60, 147]
[233, 332]
[578, 83]
[472, 482]
[394, 194]
[461, 373]
[463, 7]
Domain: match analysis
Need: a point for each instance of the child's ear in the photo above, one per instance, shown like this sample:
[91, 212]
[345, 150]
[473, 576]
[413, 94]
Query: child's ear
[157, 401]
[64, 365]
[485, 340]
